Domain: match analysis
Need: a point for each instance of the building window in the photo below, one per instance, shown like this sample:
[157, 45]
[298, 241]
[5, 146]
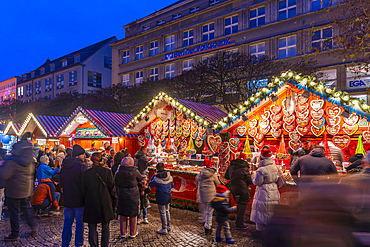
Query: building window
[107, 62]
[194, 9]
[160, 22]
[60, 81]
[176, 16]
[170, 71]
[64, 63]
[287, 47]
[126, 80]
[231, 25]
[20, 92]
[208, 32]
[139, 53]
[188, 38]
[32, 74]
[28, 90]
[139, 77]
[154, 74]
[361, 97]
[287, 9]
[73, 78]
[257, 49]
[187, 65]
[213, 2]
[93, 79]
[126, 56]
[48, 85]
[38, 87]
[52, 67]
[319, 4]
[257, 17]
[170, 43]
[146, 27]
[42, 71]
[77, 59]
[154, 48]
[322, 40]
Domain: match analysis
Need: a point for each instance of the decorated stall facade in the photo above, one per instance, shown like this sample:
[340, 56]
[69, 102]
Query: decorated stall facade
[12, 129]
[91, 129]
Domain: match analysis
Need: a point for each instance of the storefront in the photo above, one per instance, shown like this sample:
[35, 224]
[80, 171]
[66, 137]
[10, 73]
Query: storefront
[10, 135]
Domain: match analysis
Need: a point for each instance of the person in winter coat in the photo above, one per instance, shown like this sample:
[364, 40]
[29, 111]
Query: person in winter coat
[163, 182]
[60, 156]
[99, 192]
[126, 179]
[117, 162]
[36, 150]
[207, 182]
[44, 171]
[355, 163]
[71, 182]
[3, 151]
[267, 194]
[313, 166]
[44, 196]
[144, 190]
[141, 161]
[51, 157]
[221, 205]
[17, 171]
[240, 179]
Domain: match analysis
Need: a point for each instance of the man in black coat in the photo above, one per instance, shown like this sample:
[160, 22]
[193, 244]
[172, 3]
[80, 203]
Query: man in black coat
[141, 161]
[71, 182]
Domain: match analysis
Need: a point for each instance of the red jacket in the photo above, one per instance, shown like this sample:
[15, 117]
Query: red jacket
[41, 192]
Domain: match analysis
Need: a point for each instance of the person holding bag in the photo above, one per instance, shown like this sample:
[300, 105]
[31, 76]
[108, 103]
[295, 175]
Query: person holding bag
[99, 191]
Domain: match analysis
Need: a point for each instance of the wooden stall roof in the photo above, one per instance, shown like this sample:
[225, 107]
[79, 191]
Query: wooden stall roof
[48, 125]
[12, 128]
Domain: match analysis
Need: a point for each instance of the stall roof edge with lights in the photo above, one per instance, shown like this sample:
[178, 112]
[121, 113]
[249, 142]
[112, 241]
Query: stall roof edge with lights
[12, 129]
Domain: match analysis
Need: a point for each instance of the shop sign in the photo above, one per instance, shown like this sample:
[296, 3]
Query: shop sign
[114, 139]
[89, 133]
[41, 142]
[360, 83]
[81, 120]
[163, 113]
[198, 49]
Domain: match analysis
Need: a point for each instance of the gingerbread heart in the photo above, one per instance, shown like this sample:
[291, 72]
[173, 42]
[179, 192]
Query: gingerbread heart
[318, 124]
[259, 137]
[289, 119]
[333, 111]
[159, 124]
[253, 123]
[332, 130]
[316, 115]
[333, 121]
[317, 132]
[301, 99]
[352, 120]
[214, 143]
[225, 148]
[366, 136]
[341, 141]
[289, 127]
[265, 115]
[294, 136]
[295, 145]
[275, 109]
[252, 132]
[317, 104]
[277, 125]
[264, 124]
[276, 133]
[302, 115]
[141, 138]
[349, 129]
[302, 130]
[241, 130]
[258, 145]
[234, 142]
[276, 117]
[302, 122]
[302, 107]
[266, 130]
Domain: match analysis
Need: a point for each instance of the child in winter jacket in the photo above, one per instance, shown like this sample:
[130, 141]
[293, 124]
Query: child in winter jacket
[163, 182]
[144, 190]
[221, 206]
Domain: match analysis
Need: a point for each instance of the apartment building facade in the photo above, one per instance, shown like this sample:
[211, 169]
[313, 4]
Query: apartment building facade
[8, 88]
[82, 71]
[173, 39]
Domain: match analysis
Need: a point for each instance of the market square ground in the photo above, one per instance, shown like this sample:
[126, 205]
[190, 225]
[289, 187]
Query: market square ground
[186, 231]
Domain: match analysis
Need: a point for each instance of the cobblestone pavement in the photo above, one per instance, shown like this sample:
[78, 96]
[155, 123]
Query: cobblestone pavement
[185, 231]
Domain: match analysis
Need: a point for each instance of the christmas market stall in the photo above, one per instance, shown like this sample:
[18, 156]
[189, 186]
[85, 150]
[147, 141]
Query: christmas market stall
[91, 129]
[291, 109]
[175, 132]
[12, 131]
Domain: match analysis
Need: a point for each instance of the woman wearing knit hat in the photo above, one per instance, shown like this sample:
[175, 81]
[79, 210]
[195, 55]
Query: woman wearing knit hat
[267, 193]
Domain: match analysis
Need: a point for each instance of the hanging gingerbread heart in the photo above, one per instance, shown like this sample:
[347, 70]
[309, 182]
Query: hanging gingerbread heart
[178, 132]
[277, 125]
[302, 115]
[333, 130]
[276, 133]
[275, 109]
[352, 120]
[302, 122]
[172, 132]
[295, 145]
[317, 104]
[225, 148]
[193, 134]
[289, 119]
[333, 111]
[214, 143]
[318, 123]
[241, 130]
[156, 141]
[198, 142]
[258, 145]
[234, 142]
[186, 132]
[141, 138]
[252, 132]
[166, 124]
[194, 125]
[176, 141]
[259, 137]
[253, 123]
[317, 132]
[294, 136]
[153, 126]
[264, 124]
[333, 121]
[301, 99]
[202, 131]
[341, 141]
[366, 136]
[266, 130]
[265, 115]
[302, 130]
[184, 143]
[316, 115]
[289, 127]
[159, 124]
[172, 121]
[302, 107]
[349, 129]
[276, 117]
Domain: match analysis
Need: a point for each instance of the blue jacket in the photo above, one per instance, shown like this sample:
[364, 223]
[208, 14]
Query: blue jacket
[163, 183]
[44, 172]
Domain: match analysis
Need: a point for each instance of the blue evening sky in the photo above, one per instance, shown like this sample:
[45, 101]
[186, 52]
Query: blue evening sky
[32, 31]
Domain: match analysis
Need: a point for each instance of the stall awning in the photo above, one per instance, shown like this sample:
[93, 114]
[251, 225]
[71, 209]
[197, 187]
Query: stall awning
[12, 128]
[212, 113]
[48, 125]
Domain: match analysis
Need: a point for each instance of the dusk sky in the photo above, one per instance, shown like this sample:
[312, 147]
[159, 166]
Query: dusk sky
[32, 31]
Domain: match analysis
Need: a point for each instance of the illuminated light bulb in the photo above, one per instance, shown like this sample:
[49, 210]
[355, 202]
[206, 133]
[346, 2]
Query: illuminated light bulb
[304, 80]
[215, 126]
[245, 102]
[205, 122]
[252, 99]
[184, 108]
[328, 90]
[197, 117]
[265, 90]
[297, 77]
[312, 83]
[220, 122]
[225, 119]
[201, 120]
[283, 74]
[337, 94]
[290, 74]
[320, 87]
[230, 115]
[188, 111]
[276, 79]
[235, 111]
[258, 94]
[365, 106]
[240, 107]
[177, 103]
[192, 114]
[346, 98]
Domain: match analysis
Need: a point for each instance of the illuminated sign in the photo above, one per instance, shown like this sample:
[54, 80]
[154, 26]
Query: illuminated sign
[89, 133]
[81, 120]
[198, 49]
[361, 83]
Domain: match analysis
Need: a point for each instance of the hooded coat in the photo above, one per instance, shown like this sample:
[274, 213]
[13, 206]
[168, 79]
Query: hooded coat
[141, 161]
[127, 179]
[267, 194]
[240, 179]
[222, 209]
[207, 181]
[163, 183]
[18, 171]
[59, 159]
